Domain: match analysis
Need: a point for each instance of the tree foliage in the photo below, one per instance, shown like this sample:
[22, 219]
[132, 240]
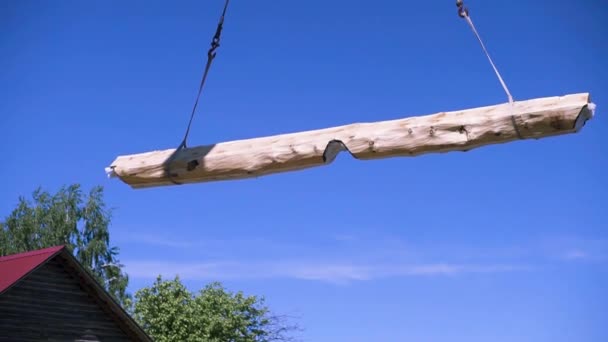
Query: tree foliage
[169, 312]
[69, 218]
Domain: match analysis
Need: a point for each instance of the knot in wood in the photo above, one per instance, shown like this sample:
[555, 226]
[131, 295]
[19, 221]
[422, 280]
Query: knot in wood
[192, 165]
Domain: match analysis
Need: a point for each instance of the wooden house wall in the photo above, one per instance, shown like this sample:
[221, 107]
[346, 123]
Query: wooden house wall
[50, 305]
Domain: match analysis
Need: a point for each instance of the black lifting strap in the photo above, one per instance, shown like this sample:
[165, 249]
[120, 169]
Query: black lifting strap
[215, 43]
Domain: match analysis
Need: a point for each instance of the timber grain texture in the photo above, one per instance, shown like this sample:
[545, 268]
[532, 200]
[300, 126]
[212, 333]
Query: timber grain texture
[460, 130]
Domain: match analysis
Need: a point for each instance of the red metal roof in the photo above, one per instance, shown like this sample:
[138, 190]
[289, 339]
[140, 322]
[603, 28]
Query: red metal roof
[16, 266]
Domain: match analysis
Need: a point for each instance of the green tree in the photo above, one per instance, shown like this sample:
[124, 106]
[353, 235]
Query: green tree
[169, 312]
[69, 218]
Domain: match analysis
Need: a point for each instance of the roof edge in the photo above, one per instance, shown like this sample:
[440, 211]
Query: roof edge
[14, 256]
[53, 252]
[103, 297]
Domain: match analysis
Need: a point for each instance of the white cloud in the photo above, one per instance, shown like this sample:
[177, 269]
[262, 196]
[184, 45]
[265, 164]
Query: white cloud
[576, 248]
[163, 241]
[344, 237]
[171, 241]
[151, 240]
[349, 258]
[575, 254]
[331, 272]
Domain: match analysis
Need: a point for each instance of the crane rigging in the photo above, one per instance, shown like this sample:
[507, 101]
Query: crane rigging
[461, 130]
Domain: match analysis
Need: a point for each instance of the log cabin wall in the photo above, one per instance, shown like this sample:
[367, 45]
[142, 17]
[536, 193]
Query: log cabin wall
[51, 304]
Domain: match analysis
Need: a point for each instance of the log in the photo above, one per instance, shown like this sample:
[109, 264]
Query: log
[461, 130]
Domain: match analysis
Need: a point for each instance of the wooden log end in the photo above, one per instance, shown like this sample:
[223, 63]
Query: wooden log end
[586, 114]
[110, 172]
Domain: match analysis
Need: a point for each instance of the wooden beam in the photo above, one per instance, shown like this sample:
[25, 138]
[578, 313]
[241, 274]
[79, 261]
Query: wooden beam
[438, 133]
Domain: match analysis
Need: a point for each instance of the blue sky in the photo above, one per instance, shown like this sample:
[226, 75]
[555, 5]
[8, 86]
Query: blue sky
[503, 243]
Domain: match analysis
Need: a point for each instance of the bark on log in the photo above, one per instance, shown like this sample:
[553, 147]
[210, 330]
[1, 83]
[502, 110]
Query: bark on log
[438, 133]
